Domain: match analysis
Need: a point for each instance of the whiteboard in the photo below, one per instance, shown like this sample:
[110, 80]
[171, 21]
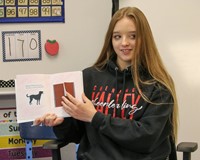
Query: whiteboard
[176, 30]
[80, 39]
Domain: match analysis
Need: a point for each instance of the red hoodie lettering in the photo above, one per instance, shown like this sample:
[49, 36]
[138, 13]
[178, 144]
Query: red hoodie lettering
[105, 101]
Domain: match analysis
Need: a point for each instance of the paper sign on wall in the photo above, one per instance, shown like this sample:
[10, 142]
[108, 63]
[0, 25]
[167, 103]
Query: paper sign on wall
[21, 45]
[12, 146]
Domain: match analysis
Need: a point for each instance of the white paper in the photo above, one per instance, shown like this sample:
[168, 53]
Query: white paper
[36, 93]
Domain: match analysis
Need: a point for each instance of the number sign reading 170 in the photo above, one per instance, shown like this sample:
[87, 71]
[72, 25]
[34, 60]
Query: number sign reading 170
[21, 45]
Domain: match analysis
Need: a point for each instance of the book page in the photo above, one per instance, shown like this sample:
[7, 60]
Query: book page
[71, 82]
[39, 94]
[32, 96]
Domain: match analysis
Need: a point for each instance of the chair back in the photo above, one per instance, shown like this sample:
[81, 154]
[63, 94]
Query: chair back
[27, 131]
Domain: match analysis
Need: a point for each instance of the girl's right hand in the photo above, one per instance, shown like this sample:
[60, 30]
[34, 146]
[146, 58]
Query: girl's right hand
[49, 119]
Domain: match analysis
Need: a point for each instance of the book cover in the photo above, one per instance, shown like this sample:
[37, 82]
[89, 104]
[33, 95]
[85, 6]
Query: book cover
[38, 94]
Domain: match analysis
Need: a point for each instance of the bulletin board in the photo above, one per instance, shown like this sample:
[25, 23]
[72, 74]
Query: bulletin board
[79, 38]
[16, 11]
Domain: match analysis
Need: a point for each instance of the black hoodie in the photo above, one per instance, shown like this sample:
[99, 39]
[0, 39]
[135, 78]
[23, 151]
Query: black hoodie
[126, 127]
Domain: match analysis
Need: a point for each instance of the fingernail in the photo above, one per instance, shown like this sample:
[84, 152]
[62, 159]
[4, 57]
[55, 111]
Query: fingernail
[34, 124]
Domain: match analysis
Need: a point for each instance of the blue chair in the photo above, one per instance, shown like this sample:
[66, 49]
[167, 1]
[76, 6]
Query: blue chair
[29, 133]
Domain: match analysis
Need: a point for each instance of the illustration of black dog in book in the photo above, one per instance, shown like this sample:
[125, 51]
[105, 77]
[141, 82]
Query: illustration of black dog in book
[36, 97]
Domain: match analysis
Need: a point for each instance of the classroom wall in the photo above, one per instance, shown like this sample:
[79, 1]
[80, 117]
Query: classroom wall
[176, 29]
[80, 39]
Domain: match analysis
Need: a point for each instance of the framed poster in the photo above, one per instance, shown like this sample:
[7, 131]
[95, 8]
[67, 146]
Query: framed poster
[15, 11]
[21, 45]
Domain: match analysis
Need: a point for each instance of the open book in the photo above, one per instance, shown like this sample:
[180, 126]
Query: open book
[38, 94]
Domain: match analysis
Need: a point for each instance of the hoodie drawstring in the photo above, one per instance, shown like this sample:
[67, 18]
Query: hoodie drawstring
[116, 76]
[122, 92]
[124, 79]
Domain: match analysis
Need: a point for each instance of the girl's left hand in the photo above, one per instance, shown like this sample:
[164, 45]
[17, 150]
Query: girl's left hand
[83, 111]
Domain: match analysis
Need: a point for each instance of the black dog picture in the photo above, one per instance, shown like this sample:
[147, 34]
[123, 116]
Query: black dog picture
[36, 97]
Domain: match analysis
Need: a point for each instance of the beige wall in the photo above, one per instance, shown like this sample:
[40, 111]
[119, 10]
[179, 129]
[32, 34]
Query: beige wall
[80, 38]
[176, 29]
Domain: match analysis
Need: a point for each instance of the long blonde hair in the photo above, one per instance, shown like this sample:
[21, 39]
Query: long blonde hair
[145, 54]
